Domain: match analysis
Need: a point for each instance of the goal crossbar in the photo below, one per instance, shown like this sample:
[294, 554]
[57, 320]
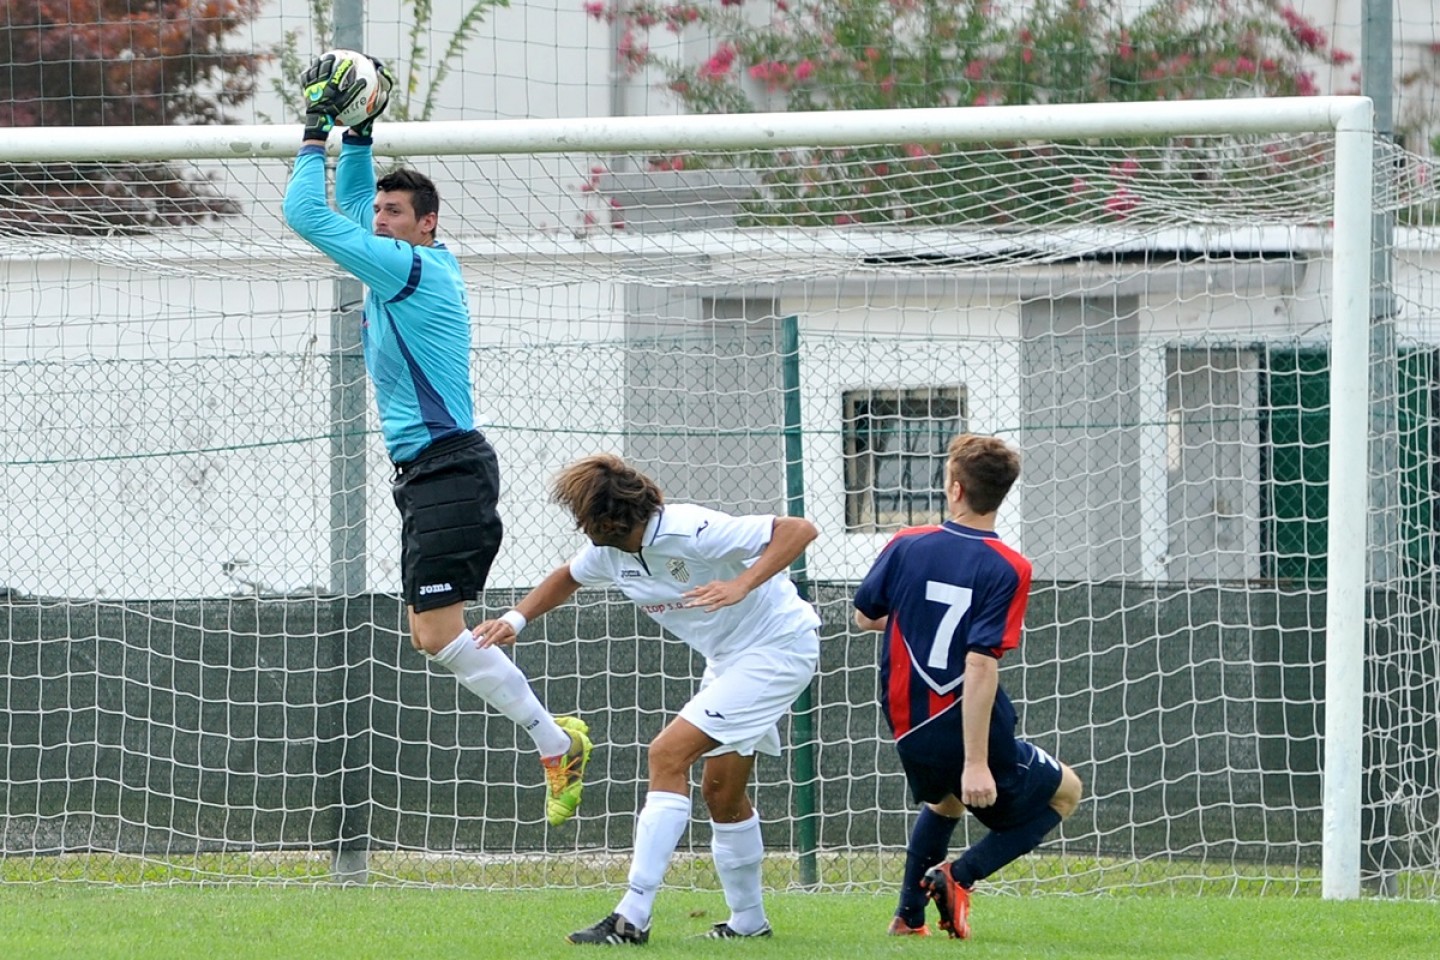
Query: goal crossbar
[1341, 115]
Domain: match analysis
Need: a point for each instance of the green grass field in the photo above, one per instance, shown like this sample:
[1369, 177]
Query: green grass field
[295, 923]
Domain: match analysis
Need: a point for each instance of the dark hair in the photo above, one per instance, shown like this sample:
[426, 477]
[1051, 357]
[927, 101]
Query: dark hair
[423, 195]
[985, 466]
[606, 496]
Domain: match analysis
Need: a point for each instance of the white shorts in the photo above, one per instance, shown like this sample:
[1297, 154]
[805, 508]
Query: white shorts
[740, 701]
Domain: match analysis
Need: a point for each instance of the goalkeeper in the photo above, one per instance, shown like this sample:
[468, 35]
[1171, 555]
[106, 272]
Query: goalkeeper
[416, 338]
[950, 601]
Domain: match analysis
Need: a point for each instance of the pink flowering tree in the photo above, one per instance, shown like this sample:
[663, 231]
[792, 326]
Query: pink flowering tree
[866, 54]
[875, 54]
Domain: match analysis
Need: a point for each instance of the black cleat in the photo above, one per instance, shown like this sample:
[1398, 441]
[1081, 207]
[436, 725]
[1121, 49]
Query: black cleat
[613, 931]
[722, 931]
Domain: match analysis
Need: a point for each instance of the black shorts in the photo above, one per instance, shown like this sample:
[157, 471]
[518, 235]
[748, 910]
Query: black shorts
[1026, 777]
[450, 528]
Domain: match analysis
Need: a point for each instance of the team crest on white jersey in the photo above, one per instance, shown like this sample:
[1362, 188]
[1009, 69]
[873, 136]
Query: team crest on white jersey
[679, 571]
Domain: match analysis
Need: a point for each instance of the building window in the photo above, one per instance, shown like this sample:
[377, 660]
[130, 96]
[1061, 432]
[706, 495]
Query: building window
[895, 443]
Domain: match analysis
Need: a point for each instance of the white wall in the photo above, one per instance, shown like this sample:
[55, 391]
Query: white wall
[157, 427]
[902, 336]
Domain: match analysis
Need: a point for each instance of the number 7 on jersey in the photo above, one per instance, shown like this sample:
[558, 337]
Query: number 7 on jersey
[957, 601]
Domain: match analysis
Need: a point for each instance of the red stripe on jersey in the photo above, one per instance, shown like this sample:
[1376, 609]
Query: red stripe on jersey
[912, 531]
[1015, 617]
[899, 693]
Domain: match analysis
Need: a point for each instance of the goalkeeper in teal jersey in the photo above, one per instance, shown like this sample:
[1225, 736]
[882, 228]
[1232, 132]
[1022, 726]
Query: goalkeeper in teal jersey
[416, 338]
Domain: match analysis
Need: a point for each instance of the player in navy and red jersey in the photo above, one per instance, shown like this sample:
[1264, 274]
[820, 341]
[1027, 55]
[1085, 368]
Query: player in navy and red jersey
[950, 600]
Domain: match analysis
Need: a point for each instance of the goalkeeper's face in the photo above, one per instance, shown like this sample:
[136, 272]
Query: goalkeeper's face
[395, 217]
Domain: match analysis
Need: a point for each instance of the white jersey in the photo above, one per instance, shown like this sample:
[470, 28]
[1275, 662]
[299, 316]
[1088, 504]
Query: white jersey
[686, 546]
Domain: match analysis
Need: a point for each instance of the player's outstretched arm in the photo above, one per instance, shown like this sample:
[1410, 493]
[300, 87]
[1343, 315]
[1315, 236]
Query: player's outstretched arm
[503, 630]
[330, 87]
[384, 264]
[306, 208]
[355, 173]
[789, 536]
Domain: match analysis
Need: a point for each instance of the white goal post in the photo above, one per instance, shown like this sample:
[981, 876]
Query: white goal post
[630, 255]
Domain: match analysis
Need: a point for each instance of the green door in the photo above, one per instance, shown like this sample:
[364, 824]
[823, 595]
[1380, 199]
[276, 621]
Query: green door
[1296, 424]
[1296, 421]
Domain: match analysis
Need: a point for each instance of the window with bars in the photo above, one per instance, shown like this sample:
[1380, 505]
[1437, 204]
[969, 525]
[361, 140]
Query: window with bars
[895, 443]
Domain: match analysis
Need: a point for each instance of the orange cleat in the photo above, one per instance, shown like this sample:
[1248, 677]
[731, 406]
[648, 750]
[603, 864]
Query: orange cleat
[952, 900]
[899, 928]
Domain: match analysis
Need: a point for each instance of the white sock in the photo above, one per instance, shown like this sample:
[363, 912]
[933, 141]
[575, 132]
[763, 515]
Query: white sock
[494, 678]
[738, 851]
[658, 829]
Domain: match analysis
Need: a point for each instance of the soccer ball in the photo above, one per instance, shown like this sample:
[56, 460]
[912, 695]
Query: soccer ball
[373, 97]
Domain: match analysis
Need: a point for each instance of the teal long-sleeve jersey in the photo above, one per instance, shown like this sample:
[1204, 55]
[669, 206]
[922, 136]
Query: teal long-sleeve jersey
[416, 325]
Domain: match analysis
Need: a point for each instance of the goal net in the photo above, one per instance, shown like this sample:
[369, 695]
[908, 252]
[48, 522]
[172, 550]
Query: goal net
[204, 672]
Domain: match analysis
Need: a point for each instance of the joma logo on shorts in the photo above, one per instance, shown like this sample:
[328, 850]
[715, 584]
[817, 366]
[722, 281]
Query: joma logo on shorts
[430, 588]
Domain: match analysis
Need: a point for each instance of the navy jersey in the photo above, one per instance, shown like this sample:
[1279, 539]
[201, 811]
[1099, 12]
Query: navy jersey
[416, 326]
[946, 590]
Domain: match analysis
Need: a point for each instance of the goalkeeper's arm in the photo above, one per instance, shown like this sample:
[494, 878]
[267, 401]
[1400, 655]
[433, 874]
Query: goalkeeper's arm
[383, 263]
[328, 88]
[355, 180]
[355, 173]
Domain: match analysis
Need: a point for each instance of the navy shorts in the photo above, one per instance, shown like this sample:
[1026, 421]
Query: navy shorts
[450, 529]
[1026, 777]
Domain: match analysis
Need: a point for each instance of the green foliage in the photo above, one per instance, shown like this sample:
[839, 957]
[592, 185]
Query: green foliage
[119, 63]
[870, 54]
[878, 54]
[417, 60]
[419, 77]
[116, 62]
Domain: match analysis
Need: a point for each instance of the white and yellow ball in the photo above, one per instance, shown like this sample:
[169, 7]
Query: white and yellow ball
[373, 96]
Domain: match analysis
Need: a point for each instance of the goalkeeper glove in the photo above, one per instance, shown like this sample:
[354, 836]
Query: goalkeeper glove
[387, 83]
[329, 88]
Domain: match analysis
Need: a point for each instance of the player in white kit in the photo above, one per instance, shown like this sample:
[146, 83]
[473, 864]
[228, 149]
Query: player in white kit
[719, 583]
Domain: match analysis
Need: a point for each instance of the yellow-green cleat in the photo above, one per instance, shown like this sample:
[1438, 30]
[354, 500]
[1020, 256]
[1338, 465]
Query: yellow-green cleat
[565, 774]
